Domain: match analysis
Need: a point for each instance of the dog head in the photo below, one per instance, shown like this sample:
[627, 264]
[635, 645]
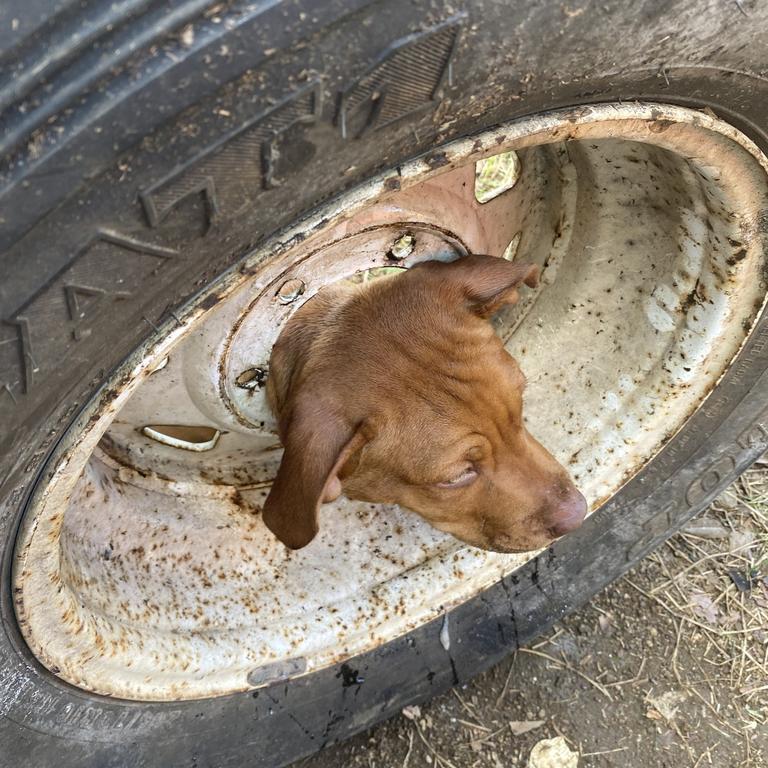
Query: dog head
[401, 392]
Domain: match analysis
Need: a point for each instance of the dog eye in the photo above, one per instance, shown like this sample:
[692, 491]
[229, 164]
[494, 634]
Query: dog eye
[467, 477]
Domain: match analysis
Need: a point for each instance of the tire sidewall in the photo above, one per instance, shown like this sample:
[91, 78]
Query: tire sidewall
[278, 724]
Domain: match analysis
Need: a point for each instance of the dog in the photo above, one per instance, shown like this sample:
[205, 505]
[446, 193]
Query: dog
[399, 391]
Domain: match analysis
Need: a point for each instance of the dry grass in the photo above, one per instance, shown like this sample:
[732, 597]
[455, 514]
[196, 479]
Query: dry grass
[719, 600]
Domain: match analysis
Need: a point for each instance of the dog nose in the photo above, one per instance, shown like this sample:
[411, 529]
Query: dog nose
[569, 514]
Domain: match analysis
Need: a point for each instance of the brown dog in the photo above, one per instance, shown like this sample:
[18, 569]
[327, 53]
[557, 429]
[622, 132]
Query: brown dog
[399, 391]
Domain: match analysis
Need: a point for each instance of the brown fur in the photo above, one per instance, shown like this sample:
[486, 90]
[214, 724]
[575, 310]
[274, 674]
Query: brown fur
[391, 391]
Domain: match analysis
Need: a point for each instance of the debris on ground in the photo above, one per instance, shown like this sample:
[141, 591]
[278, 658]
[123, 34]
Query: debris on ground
[552, 753]
[667, 667]
[666, 706]
[412, 712]
[519, 727]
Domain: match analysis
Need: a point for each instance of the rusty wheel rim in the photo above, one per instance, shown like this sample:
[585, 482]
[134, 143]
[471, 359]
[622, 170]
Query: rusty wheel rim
[142, 568]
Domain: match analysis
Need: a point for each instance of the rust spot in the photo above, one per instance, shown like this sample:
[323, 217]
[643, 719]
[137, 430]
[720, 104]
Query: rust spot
[659, 126]
[209, 301]
[736, 257]
[575, 114]
[436, 160]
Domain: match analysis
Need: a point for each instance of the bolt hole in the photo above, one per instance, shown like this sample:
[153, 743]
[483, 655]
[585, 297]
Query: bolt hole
[253, 378]
[496, 175]
[375, 273]
[402, 248]
[510, 252]
[290, 290]
[183, 437]
[160, 365]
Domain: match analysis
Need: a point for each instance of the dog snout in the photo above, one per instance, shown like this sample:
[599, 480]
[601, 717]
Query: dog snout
[568, 513]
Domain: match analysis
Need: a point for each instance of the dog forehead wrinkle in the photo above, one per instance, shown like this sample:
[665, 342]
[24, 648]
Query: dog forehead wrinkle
[387, 324]
[419, 447]
[457, 390]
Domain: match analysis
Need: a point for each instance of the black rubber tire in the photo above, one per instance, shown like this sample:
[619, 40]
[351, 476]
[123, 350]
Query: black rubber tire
[114, 189]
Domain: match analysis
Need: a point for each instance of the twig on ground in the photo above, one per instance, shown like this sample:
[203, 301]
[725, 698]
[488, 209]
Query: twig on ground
[504, 691]
[604, 752]
[438, 757]
[467, 707]
[565, 665]
[410, 749]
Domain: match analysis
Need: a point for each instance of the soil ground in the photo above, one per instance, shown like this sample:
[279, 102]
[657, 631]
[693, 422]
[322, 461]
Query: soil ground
[666, 667]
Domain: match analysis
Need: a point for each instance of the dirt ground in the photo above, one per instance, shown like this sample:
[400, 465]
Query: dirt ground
[667, 667]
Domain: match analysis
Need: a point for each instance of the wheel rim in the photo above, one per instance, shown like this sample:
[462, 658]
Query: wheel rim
[142, 568]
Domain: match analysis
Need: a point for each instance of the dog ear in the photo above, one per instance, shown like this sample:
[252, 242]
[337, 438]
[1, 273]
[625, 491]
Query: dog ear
[317, 445]
[487, 282]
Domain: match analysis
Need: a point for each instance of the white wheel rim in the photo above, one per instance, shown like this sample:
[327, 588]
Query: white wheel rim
[678, 285]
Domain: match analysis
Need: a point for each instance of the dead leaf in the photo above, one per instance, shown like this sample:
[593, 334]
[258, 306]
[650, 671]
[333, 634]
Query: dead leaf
[741, 541]
[412, 711]
[728, 501]
[665, 707]
[552, 753]
[519, 727]
[704, 607]
[706, 528]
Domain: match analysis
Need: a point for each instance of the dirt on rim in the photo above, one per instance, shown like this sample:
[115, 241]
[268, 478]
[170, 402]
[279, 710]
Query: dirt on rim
[668, 667]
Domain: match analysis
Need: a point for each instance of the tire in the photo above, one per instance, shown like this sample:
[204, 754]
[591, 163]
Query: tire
[96, 145]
